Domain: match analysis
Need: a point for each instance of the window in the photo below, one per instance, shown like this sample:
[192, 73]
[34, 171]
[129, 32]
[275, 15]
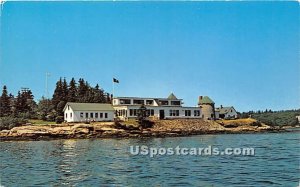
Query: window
[174, 112]
[81, 114]
[133, 112]
[149, 102]
[71, 115]
[68, 107]
[164, 102]
[91, 115]
[105, 115]
[196, 112]
[96, 115]
[177, 103]
[150, 112]
[125, 101]
[138, 101]
[101, 115]
[66, 115]
[86, 115]
[187, 112]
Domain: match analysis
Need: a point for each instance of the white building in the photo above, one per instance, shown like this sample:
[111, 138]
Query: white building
[81, 112]
[159, 108]
[298, 118]
[226, 113]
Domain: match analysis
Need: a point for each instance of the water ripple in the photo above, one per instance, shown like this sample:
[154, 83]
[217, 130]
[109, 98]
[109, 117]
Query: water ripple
[107, 162]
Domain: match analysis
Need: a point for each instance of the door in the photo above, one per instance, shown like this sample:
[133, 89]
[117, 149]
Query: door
[161, 114]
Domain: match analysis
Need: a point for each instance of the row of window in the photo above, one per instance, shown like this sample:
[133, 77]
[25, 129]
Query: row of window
[122, 112]
[186, 113]
[150, 112]
[148, 102]
[94, 115]
[134, 112]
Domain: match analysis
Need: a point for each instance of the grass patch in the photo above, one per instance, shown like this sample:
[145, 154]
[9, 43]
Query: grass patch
[131, 122]
[238, 122]
[41, 122]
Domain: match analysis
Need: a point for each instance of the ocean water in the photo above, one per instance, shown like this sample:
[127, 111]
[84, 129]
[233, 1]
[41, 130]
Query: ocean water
[108, 162]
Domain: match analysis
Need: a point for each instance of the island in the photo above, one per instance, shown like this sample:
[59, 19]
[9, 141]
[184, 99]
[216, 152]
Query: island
[131, 129]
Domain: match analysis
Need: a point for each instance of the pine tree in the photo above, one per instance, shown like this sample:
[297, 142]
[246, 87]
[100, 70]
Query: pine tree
[58, 92]
[25, 103]
[5, 103]
[44, 108]
[28, 97]
[64, 96]
[88, 96]
[72, 92]
[19, 104]
[82, 89]
[98, 96]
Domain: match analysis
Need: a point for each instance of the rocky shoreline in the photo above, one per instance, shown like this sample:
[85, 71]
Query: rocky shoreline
[161, 128]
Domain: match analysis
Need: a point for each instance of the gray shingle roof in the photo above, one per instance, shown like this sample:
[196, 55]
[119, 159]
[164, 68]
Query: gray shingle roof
[224, 110]
[205, 100]
[172, 97]
[90, 106]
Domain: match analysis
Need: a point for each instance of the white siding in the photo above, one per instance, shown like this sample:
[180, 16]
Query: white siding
[75, 116]
[181, 110]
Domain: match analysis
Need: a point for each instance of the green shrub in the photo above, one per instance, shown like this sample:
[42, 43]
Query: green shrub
[7, 123]
[59, 119]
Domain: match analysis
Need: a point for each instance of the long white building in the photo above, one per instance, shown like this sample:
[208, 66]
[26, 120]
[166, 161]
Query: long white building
[159, 108]
[81, 112]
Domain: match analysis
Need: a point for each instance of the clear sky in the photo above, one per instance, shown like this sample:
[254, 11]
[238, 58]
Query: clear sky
[244, 54]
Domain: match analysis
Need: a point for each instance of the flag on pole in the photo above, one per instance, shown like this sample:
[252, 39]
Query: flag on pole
[115, 80]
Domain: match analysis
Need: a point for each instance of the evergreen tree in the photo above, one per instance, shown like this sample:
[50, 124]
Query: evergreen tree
[30, 103]
[72, 92]
[44, 107]
[25, 103]
[5, 103]
[57, 95]
[142, 117]
[88, 96]
[82, 89]
[98, 95]
[64, 90]
[19, 104]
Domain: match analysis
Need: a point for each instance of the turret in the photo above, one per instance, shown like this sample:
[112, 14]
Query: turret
[207, 107]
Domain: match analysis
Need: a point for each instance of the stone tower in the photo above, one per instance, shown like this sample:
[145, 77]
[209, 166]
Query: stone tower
[207, 107]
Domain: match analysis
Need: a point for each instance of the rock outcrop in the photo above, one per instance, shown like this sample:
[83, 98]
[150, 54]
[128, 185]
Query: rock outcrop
[161, 128]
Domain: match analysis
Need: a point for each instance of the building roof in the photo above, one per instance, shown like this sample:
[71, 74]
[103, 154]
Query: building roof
[205, 100]
[172, 97]
[224, 110]
[90, 106]
[149, 98]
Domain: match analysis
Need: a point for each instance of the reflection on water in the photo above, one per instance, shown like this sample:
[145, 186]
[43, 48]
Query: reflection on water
[108, 162]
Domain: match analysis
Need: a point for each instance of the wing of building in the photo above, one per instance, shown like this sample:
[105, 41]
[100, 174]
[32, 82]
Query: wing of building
[226, 113]
[158, 108]
[125, 108]
[81, 112]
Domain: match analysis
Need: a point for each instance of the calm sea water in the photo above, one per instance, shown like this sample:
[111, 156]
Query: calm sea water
[107, 162]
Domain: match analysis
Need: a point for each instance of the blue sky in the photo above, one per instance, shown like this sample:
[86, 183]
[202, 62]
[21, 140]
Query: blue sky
[244, 54]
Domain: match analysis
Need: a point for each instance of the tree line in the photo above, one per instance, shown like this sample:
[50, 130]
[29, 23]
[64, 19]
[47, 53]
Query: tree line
[24, 106]
[274, 118]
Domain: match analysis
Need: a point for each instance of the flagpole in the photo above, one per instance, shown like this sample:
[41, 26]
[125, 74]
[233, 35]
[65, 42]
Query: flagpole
[113, 89]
